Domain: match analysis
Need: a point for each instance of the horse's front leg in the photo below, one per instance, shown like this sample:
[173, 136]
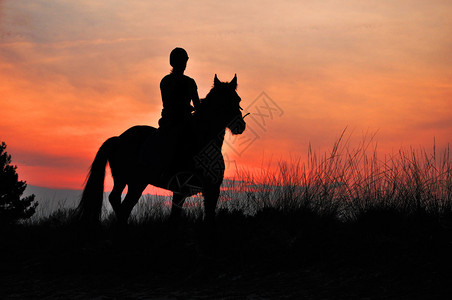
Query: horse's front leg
[176, 207]
[211, 194]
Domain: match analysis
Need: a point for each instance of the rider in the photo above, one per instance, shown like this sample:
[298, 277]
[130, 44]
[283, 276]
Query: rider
[178, 91]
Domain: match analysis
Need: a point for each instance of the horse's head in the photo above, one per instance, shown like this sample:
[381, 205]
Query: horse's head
[226, 103]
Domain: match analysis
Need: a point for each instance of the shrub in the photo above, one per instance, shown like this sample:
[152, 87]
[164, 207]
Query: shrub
[12, 207]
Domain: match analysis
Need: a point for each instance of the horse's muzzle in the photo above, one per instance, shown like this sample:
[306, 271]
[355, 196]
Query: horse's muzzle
[238, 126]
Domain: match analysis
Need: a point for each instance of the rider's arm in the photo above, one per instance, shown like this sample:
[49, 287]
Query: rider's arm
[195, 99]
[194, 96]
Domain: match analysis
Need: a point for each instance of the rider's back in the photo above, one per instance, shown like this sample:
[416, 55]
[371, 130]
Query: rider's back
[177, 92]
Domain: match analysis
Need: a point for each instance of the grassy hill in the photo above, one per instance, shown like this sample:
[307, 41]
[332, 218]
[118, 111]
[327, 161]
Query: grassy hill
[345, 226]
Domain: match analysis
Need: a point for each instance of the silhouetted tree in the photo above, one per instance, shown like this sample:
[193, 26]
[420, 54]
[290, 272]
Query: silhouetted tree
[12, 207]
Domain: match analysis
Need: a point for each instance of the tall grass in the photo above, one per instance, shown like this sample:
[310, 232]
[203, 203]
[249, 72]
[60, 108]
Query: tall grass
[347, 182]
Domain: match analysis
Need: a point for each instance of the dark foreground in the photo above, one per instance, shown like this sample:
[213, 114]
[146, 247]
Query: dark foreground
[270, 255]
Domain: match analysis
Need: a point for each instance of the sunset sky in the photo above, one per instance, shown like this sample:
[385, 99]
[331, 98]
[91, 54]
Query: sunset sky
[73, 73]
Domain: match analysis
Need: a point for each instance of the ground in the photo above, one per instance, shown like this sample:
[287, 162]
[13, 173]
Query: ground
[266, 256]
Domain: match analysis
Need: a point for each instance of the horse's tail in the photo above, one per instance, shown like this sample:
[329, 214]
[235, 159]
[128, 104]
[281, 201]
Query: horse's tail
[90, 206]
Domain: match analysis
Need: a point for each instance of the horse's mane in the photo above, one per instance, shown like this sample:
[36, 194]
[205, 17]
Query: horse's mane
[207, 102]
[220, 85]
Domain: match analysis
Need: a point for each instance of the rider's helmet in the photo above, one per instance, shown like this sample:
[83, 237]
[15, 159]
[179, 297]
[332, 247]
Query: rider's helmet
[178, 58]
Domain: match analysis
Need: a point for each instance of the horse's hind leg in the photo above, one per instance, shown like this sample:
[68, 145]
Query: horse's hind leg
[115, 196]
[133, 195]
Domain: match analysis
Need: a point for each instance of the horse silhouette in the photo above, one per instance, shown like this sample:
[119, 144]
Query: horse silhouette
[139, 157]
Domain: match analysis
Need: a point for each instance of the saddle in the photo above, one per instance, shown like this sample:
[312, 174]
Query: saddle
[167, 150]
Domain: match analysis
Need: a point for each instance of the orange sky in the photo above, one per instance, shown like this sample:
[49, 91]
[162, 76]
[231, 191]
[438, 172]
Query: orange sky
[77, 72]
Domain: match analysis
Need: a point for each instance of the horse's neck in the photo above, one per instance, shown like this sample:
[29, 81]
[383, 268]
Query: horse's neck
[210, 132]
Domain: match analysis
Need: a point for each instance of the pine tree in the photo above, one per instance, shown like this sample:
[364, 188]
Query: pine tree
[12, 207]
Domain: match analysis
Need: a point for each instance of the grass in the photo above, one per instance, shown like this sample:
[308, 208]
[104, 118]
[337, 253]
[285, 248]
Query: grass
[350, 182]
[346, 224]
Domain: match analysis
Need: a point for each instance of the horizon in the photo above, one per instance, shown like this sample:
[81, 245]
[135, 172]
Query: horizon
[74, 74]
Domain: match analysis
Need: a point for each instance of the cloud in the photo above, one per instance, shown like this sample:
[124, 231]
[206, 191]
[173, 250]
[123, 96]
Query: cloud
[441, 124]
[34, 159]
[75, 73]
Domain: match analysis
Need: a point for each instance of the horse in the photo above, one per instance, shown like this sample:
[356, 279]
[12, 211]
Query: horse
[135, 158]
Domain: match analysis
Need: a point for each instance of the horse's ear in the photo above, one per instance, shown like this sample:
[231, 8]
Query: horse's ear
[216, 81]
[233, 82]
